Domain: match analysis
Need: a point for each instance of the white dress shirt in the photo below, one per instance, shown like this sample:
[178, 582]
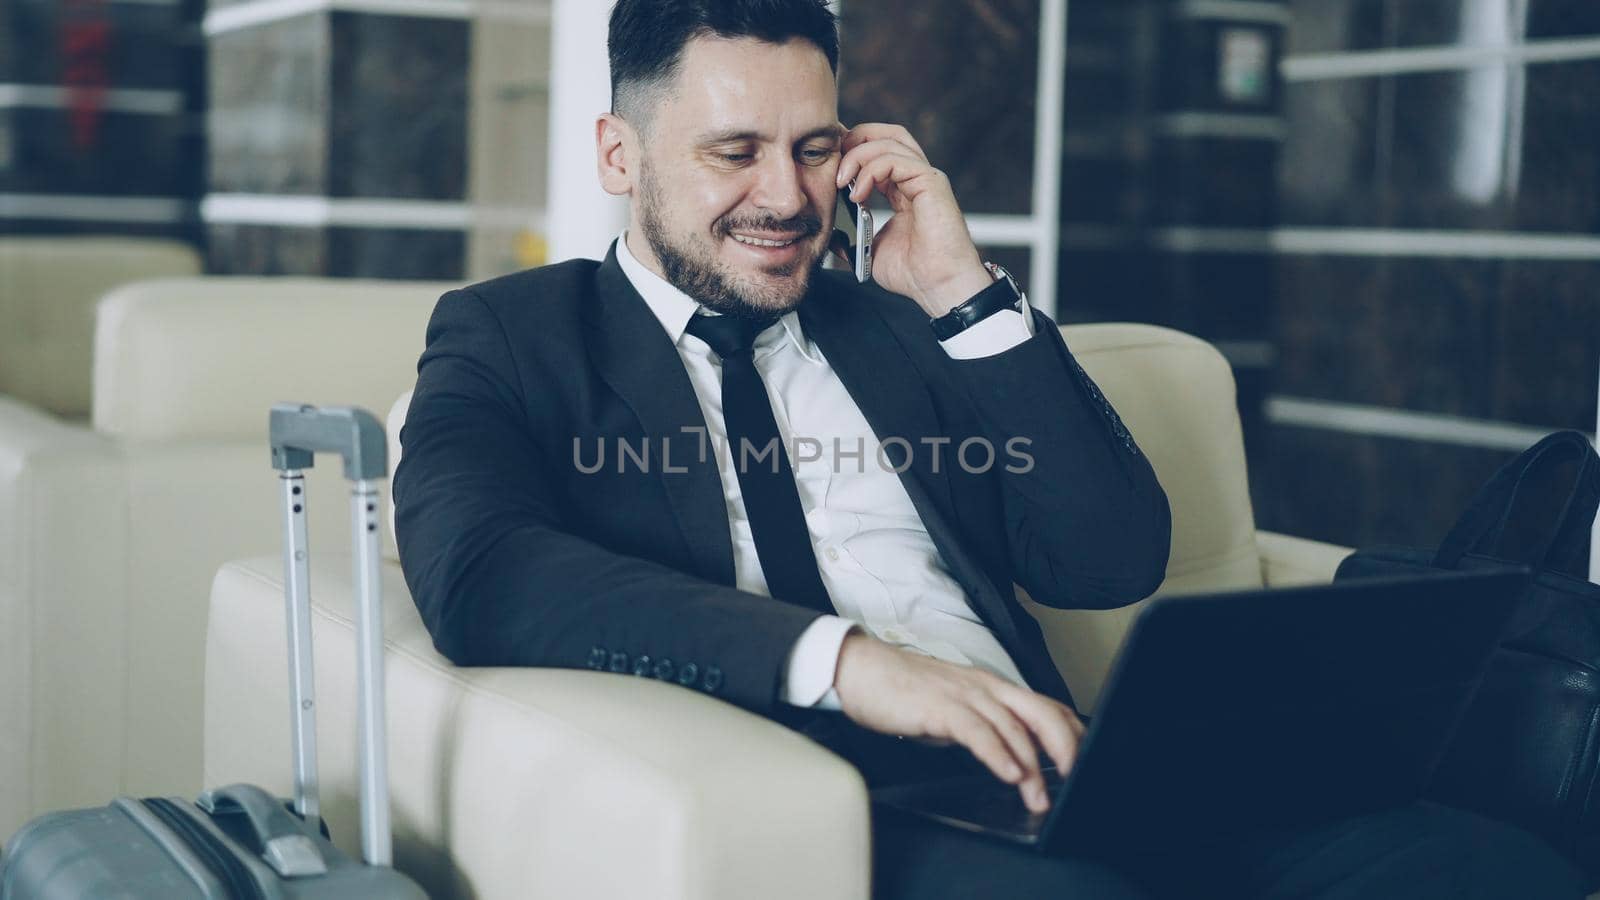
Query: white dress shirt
[881, 568]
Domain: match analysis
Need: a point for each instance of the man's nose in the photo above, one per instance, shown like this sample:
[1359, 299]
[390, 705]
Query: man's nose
[778, 188]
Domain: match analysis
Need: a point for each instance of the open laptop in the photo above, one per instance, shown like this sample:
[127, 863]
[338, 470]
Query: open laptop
[1256, 709]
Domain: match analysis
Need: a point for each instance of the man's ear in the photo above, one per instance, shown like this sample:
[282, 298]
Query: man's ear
[616, 149]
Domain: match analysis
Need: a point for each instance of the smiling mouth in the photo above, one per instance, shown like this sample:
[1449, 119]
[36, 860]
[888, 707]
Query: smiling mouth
[761, 242]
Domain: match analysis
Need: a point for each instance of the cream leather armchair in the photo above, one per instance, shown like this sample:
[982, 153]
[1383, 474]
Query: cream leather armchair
[111, 531]
[563, 783]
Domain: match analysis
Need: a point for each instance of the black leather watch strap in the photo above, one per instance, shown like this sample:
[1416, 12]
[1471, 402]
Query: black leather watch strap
[1001, 295]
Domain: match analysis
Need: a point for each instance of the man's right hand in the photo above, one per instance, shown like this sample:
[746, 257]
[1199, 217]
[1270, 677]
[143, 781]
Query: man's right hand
[893, 691]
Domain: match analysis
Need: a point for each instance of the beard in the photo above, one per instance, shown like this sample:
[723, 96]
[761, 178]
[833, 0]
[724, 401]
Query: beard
[691, 266]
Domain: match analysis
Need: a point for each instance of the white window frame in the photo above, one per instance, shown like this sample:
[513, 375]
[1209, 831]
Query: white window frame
[1040, 230]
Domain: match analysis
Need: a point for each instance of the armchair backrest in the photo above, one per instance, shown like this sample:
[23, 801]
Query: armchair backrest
[1177, 397]
[48, 290]
[204, 358]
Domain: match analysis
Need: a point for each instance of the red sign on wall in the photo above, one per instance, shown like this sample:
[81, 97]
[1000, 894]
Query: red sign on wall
[85, 53]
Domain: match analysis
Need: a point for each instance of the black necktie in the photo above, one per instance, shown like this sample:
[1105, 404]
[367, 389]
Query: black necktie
[771, 500]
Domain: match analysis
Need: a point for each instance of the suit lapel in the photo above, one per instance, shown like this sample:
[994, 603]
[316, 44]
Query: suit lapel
[634, 356]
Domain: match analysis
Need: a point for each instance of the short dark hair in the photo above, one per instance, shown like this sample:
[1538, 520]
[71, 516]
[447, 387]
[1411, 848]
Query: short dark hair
[647, 37]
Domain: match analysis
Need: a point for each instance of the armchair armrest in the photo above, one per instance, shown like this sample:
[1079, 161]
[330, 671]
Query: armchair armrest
[1287, 561]
[60, 648]
[534, 782]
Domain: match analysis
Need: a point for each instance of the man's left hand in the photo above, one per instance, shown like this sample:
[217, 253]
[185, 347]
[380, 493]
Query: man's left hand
[925, 252]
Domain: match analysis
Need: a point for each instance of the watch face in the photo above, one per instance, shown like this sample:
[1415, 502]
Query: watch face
[1000, 273]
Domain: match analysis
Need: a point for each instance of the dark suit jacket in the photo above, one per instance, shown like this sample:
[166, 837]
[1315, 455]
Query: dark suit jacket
[516, 557]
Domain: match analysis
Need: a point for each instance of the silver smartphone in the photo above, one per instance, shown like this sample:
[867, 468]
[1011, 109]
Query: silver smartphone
[852, 234]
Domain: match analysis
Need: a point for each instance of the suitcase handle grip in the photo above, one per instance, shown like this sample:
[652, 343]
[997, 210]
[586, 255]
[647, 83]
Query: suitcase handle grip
[299, 431]
[282, 839]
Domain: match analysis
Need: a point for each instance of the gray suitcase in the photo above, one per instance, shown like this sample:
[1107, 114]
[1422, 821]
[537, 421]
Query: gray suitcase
[239, 841]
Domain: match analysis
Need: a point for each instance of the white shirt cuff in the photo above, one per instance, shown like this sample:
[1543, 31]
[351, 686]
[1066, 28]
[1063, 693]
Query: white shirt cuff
[808, 680]
[996, 334]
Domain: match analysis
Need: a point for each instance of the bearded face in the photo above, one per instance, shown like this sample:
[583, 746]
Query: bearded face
[771, 282]
[734, 174]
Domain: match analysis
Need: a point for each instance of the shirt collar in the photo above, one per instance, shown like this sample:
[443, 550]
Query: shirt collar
[673, 308]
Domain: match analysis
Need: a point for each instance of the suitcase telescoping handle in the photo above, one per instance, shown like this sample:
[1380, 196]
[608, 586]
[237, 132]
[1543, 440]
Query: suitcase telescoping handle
[298, 432]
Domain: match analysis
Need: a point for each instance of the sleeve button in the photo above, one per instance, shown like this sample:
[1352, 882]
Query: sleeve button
[688, 673]
[619, 661]
[664, 669]
[597, 657]
[713, 679]
[641, 664]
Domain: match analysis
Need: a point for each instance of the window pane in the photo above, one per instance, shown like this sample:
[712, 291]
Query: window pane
[960, 75]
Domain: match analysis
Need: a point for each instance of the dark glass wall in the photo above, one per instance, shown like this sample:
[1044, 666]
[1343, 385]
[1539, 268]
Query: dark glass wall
[322, 107]
[1173, 131]
[1437, 279]
[961, 77]
[1393, 232]
[101, 112]
[353, 142]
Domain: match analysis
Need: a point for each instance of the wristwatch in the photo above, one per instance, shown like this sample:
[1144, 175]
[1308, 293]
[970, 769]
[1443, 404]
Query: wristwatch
[1002, 295]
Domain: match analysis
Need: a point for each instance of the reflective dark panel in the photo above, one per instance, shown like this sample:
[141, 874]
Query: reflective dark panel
[1454, 159]
[1361, 490]
[1218, 181]
[1558, 185]
[1563, 18]
[125, 154]
[1332, 171]
[1333, 26]
[1545, 344]
[337, 252]
[398, 124]
[961, 76]
[1412, 334]
[270, 101]
[1218, 65]
[129, 45]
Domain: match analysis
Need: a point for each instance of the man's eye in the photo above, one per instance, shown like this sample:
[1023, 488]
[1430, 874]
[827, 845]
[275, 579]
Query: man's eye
[816, 154]
[735, 157]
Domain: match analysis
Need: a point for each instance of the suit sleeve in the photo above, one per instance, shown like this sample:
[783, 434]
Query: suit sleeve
[1087, 522]
[500, 581]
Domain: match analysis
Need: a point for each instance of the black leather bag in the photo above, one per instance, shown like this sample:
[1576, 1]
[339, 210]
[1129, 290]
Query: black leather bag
[1528, 749]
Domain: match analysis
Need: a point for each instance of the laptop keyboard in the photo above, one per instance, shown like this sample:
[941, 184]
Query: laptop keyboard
[1003, 810]
[982, 801]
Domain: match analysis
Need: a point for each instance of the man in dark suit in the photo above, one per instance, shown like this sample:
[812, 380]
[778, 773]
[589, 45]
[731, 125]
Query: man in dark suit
[704, 460]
